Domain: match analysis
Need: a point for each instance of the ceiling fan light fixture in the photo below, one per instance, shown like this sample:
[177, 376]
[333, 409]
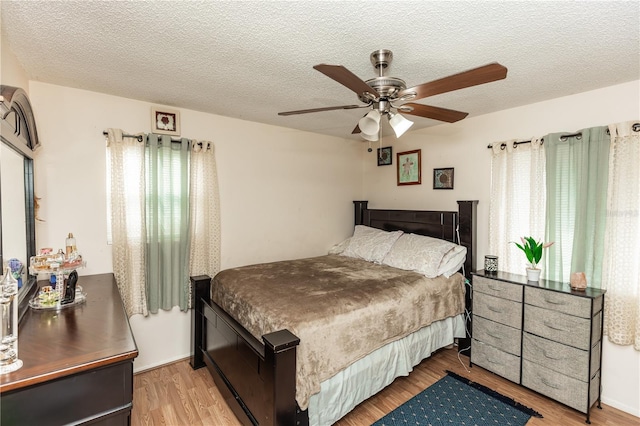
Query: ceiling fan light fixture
[369, 137]
[399, 124]
[370, 123]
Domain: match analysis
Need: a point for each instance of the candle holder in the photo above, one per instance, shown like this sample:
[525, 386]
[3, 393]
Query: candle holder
[491, 264]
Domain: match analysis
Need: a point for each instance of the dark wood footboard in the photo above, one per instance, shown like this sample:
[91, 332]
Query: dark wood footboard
[257, 379]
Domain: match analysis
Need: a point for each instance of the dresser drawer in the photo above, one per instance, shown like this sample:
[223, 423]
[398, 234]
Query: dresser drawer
[497, 288]
[562, 388]
[501, 336]
[562, 328]
[563, 359]
[91, 396]
[562, 302]
[495, 360]
[499, 310]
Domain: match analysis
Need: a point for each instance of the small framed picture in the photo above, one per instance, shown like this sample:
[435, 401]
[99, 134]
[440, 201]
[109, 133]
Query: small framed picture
[409, 168]
[165, 121]
[385, 156]
[443, 178]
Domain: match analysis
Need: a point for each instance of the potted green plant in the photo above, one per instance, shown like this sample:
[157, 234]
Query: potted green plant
[533, 250]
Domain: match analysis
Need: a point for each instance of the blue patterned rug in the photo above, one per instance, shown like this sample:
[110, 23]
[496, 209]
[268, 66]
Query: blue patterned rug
[455, 400]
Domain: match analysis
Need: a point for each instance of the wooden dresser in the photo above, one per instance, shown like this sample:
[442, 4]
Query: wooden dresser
[78, 363]
[542, 335]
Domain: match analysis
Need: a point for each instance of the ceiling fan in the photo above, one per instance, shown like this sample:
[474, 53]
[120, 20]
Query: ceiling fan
[389, 96]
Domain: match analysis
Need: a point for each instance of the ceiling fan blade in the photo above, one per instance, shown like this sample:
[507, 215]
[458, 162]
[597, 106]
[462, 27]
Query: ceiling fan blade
[474, 77]
[306, 111]
[346, 78]
[436, 113]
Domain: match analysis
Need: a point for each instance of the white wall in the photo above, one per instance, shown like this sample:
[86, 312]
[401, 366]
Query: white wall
[283, 193]
[11, 71]
[463, 145]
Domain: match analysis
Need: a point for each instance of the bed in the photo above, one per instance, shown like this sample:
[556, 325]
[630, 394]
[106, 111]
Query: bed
[258, 373]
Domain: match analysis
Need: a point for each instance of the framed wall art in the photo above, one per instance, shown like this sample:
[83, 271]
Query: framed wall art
[443, 178]
[409, 168]
[385, 156]
[165, 121]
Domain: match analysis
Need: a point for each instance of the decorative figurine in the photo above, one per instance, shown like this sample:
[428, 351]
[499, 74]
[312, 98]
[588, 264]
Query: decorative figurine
[578, 281]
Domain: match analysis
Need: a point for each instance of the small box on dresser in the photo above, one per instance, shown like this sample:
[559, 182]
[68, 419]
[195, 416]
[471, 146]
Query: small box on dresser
[559, 333]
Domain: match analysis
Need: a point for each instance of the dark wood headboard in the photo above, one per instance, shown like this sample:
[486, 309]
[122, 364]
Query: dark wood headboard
[456, 226]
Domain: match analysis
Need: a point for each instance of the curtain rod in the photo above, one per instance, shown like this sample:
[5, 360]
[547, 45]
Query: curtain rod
[139, 137]
[503, 145]
[173, 140]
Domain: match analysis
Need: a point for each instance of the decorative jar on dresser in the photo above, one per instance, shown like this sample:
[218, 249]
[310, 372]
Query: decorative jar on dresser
[542, 335]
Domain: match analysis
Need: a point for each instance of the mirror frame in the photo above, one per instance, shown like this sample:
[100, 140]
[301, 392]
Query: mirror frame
[18, 131]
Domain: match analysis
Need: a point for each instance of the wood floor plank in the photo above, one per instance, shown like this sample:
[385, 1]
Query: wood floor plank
[176, 395]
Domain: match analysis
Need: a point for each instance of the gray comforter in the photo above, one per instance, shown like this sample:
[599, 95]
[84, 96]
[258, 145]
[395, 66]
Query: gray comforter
[341, 308]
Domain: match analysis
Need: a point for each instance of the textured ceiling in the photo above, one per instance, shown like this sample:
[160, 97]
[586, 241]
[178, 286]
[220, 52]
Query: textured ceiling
[252, 59]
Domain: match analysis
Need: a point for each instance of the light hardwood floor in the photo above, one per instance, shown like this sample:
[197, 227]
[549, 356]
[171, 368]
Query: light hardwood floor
[176, 395]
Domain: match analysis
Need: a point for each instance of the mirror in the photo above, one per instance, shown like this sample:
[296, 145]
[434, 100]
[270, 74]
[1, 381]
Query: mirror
[17, 228]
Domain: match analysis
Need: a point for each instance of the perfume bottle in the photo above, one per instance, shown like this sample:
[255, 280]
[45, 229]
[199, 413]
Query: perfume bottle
[70, 245]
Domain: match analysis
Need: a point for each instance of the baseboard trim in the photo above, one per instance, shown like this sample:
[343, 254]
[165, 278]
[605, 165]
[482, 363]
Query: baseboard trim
[159, 364]
[622, 407]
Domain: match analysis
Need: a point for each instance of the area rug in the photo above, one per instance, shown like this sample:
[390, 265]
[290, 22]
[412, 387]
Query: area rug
[455, 400]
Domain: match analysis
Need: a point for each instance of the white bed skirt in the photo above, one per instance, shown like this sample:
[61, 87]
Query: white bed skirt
[342, 392]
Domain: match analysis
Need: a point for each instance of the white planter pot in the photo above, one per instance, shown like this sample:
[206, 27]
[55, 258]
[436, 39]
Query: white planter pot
[533, 274]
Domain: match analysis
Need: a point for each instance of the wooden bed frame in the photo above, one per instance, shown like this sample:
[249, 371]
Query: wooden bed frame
[258, 378]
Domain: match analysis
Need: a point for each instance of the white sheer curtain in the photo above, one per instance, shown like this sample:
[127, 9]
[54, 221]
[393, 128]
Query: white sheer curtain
[205, 211]
[125, 169]
[517, 204]
[621, 269]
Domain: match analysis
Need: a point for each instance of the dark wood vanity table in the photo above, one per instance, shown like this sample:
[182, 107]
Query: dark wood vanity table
[78, 363]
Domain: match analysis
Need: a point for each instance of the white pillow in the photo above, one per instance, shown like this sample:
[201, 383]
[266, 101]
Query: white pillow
[428, 256]
[453, 261]
[370, 244]
[340, 247]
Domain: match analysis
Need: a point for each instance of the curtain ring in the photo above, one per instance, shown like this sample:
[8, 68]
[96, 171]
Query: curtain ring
[515, 145]
[579, 137]
[636, 127]
[503, 146]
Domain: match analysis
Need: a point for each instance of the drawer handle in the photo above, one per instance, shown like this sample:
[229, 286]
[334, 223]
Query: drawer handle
[549, 357]
[492, 309]
[553, 302]
[494, 288]
[553, 327]
[551, 385]
[495, 336]
[494, 362]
